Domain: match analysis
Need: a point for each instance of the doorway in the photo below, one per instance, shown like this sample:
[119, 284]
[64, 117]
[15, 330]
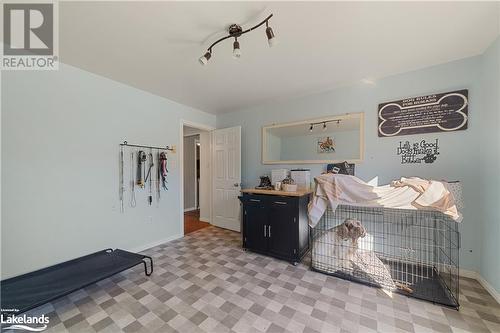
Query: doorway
[196, 178]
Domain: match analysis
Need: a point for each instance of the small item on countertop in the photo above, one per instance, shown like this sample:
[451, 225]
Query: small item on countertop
[265, 183]
[302, 178]
[277, 175]
[277, 186]
[288, 180]
[288, 184]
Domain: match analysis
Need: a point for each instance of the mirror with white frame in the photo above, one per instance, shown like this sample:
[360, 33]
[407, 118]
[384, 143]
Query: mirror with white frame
[326, 140]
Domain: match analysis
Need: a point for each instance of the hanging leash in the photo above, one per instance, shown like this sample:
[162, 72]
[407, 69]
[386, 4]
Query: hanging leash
[158, 176]
[141, 170]
[132, 181]
[149, 178]
[163, 170]
[122, 187]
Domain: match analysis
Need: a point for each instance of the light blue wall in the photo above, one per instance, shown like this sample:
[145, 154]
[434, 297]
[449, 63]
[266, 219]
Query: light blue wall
[459, 159]
[490, 161]
[60, 136]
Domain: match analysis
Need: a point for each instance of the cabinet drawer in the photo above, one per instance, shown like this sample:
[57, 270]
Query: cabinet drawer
[254, 199]
[283, 201]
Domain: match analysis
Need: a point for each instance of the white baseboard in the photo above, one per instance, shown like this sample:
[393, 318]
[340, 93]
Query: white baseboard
[155, 243]
[486, 285]
[190, 209]
[205, 219]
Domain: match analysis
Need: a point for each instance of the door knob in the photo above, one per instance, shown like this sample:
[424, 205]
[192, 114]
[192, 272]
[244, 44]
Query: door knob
[236, 184]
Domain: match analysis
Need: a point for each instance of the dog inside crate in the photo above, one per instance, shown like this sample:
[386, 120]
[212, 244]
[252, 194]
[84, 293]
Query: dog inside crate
[403, 251]
[402, 237]
[340, 250]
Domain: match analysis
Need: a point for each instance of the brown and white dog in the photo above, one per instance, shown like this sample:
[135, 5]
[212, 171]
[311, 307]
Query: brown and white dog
[346, 237]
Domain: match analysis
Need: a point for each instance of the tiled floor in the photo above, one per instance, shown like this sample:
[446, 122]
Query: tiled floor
[205, 282]
[192, 222]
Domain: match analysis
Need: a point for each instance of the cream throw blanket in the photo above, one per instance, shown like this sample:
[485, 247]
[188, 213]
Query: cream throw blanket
[406, 193]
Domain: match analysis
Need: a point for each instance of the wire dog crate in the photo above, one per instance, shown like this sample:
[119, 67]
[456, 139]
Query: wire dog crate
[412, 252]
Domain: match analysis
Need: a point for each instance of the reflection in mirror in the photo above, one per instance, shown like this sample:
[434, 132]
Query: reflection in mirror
[324, 140]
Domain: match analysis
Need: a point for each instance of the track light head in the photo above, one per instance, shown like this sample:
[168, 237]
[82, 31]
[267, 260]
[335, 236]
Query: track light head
[324, 126]
[204, 59]
[236, 49]
[271, 39]
[311, 128]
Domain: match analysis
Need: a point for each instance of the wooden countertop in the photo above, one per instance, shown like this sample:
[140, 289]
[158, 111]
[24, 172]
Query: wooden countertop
[298, 193]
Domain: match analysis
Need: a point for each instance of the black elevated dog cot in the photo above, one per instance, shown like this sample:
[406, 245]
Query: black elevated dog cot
[28, 291]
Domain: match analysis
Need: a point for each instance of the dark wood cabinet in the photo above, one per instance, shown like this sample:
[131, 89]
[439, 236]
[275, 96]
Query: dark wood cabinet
[254, 211]
[276, 225]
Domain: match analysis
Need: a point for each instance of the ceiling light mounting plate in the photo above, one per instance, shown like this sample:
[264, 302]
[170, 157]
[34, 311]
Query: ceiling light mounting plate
[235, 30]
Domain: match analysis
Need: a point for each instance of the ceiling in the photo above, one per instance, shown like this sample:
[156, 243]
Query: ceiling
[155, 46]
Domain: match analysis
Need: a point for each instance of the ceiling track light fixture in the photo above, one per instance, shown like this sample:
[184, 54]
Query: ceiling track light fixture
[236, 31]
[311, 127]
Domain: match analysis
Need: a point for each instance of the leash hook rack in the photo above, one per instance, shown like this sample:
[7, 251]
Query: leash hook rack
[166, 148]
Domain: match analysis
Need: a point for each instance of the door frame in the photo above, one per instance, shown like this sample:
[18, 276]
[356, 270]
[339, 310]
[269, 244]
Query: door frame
[196, 189]
[199, 126]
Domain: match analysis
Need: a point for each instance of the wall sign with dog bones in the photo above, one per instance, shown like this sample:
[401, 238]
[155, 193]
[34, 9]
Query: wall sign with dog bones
[424, 114]
[418, 152]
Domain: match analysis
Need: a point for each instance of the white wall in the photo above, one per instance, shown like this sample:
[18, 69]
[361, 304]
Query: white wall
[459, 150]
[189, 172]
[60, 136]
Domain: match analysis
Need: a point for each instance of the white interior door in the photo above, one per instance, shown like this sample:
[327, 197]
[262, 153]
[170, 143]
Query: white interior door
[226, 175]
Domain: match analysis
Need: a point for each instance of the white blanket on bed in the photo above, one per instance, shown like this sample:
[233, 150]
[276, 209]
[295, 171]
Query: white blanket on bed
[406, 193]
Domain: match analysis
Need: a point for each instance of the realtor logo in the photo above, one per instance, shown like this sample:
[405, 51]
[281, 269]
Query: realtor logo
[24, 323]
[29, 36]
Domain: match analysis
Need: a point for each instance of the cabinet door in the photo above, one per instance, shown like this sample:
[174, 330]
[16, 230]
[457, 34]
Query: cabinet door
[255, 226]
[282, 229]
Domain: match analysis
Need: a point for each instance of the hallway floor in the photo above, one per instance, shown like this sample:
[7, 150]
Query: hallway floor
[192, 222]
